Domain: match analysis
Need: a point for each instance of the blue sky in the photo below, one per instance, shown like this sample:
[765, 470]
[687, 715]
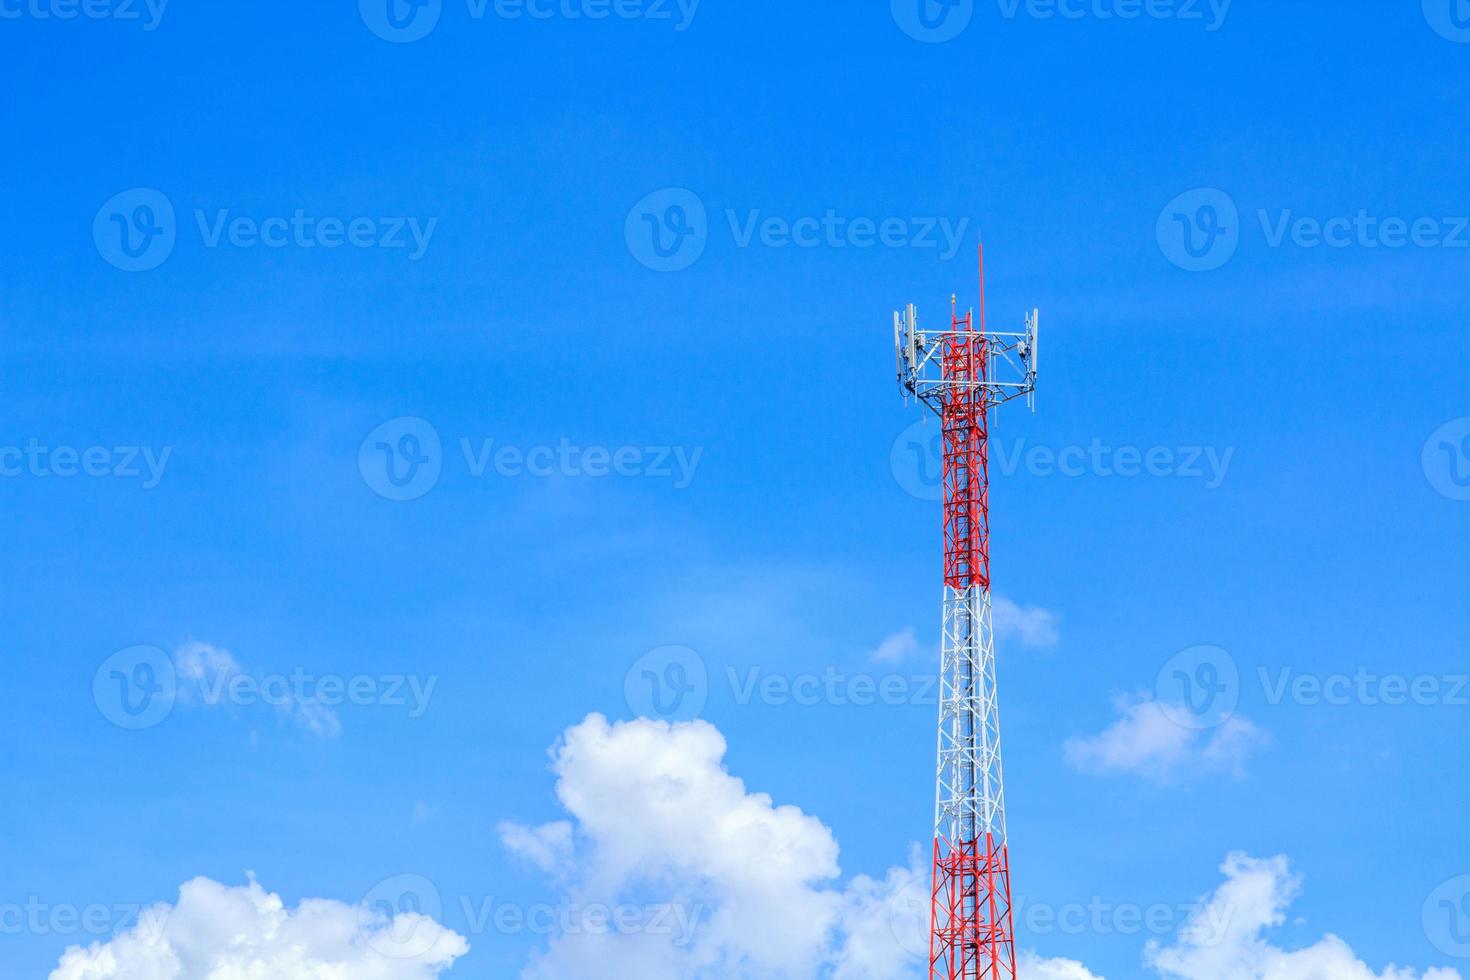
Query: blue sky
[1245, 228]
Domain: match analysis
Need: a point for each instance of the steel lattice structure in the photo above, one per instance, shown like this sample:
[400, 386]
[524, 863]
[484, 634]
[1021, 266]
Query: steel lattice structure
[964, 374]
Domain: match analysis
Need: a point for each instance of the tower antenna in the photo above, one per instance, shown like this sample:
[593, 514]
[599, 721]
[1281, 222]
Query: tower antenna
[963, 376]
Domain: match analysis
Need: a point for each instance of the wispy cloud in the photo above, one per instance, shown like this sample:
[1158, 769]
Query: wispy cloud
[211, 677]
[1031, 626]
[1146, 741]
[896, 647]
[1028, 626]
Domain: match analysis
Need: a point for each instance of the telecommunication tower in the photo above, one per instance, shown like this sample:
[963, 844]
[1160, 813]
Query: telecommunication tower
[964, 373]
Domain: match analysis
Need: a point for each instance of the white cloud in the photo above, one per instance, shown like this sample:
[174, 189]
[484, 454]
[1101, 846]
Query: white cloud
[741, 889]
[657, 815]
[896, 647]
[209, 675]
[885, 924]
[1225, 938]
[1032, 626]
[1146, 741]
[217, 932]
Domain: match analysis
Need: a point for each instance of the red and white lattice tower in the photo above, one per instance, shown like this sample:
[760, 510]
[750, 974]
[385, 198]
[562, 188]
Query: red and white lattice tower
[963, 373]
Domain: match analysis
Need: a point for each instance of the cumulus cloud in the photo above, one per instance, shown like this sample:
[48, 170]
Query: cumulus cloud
[722, 882]
[1254, 899]
[216, 932]
[1147, 741]
[657, 814]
